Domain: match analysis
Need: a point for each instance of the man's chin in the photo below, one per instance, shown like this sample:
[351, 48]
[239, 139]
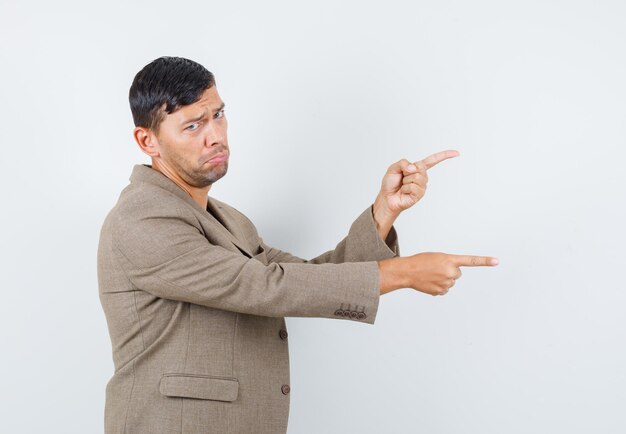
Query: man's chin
[209, 179]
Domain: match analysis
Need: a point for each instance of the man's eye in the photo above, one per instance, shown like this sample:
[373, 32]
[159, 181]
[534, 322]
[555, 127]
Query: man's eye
[220, 113]
[192, 125]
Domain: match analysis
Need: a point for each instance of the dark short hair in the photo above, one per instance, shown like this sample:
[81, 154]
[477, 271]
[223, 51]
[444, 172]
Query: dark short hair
[173, 81]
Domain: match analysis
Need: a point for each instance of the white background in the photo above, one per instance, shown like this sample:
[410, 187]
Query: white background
[321, 98]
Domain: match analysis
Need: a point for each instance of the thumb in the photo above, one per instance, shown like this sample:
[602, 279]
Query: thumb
[403, 166]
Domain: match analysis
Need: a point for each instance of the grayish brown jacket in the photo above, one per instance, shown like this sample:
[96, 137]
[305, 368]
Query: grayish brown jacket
[195, 304]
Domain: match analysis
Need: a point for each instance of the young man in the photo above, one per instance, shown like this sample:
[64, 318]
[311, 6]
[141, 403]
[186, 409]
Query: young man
[195, 300]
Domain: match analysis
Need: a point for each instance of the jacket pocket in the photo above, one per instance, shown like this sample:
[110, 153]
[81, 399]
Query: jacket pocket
[199, 387]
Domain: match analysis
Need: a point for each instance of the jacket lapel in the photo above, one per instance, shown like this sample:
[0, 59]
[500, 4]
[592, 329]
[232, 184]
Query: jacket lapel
[228, 227]
[218, 222]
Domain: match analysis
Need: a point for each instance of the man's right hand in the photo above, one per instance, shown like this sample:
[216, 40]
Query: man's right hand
[433, 273]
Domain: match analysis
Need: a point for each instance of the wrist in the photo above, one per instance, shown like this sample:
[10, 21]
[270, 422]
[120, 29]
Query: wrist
[381, 212]
[390, 275]
[383, 218]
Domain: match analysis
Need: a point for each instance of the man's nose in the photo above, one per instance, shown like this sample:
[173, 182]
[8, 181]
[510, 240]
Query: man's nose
[215, 136]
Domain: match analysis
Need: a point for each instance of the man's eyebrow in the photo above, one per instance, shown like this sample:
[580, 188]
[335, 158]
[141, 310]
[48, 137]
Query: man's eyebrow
[201, 115]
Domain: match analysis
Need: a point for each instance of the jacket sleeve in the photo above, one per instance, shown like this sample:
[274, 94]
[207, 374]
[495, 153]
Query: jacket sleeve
[362, 244]
[163, 252]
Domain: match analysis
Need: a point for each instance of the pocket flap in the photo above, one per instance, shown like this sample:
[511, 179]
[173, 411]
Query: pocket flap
[199, 387]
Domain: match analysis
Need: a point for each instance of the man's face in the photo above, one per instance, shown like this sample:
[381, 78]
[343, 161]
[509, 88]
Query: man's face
[192, 135]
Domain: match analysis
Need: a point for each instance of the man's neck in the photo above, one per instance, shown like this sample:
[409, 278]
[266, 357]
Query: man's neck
[199, 195]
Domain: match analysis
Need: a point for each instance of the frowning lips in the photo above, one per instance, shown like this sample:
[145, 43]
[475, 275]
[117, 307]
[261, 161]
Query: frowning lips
[220, 156]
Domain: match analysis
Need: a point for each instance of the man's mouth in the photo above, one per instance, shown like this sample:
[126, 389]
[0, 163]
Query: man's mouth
[219, 158]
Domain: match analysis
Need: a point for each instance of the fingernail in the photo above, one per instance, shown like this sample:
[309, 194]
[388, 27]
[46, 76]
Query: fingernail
[411, 167]
[494, 261]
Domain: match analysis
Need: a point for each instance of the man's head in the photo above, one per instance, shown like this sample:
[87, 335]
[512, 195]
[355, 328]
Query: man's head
[179, 120]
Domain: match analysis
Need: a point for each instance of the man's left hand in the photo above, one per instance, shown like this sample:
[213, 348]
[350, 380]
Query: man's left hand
[404, 184]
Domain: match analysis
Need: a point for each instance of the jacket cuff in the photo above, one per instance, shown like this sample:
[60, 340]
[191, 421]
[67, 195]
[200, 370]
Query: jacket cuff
[367, 297]
[372, 246]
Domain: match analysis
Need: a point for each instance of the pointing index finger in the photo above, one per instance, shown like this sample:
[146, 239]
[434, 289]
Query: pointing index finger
[438, 157]
[474, 261]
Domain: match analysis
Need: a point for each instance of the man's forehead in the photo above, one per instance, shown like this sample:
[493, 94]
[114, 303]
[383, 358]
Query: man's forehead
[209, 97]
[206, 102]
[205, 105]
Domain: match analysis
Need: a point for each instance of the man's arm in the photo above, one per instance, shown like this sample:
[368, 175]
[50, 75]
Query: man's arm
[363, 243]
[163, 253]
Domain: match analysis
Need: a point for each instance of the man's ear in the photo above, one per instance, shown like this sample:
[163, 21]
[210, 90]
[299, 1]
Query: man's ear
[147, 141]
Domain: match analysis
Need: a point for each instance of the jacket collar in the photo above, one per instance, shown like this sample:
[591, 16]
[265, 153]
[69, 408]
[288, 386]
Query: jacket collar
[213, 212]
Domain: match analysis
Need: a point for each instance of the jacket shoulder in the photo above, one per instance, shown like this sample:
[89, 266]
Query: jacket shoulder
[146, 205]
[150, 199]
